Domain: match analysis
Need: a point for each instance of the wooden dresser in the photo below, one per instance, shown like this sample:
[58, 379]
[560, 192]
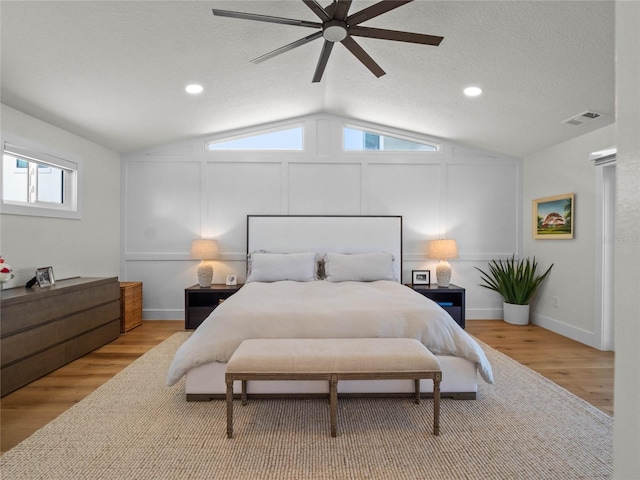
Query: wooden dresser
[42, 329]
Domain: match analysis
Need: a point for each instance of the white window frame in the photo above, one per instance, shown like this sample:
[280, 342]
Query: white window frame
[210, 145]
[71, 207]
[437, 147]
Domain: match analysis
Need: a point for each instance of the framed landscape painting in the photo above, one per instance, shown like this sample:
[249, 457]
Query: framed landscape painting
[553, 217]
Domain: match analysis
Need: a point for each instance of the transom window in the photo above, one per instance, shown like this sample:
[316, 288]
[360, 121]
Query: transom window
[362, 140]
[39, 184]
[286, 139]
[32, 182]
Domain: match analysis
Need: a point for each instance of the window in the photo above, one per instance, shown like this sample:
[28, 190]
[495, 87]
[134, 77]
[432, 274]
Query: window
[38, 184]
[286, 139]
[361, 140]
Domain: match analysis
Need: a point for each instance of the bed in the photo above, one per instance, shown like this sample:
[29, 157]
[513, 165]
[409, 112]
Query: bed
[326, 277]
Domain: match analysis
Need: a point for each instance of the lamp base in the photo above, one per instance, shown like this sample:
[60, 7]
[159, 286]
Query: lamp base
[443, 273]
[205, 275]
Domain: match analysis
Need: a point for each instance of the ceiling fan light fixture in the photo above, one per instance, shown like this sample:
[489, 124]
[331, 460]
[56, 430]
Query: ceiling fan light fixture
[334, 31]
[194, 89]
[472, 91]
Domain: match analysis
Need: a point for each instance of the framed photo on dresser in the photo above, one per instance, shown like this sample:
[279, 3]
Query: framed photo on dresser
[45, 277]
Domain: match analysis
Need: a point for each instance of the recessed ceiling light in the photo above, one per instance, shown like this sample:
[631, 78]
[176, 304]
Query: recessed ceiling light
[472, 91]
[194, 89]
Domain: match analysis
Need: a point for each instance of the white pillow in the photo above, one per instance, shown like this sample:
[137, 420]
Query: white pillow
[274, 267]
[358, 267]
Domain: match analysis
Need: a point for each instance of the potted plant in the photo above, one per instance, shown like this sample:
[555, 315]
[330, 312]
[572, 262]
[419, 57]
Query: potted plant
[516, 280]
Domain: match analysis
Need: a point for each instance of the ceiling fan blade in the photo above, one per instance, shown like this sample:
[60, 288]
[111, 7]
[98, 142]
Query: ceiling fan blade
[318, 10]
[341, 9]
[322, 61]
[331, 9]
[375, 10]
[288, 47]
[409, 37]
[265, 18]
[363, 56]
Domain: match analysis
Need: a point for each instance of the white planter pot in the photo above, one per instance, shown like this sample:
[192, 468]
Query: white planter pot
[515, 314]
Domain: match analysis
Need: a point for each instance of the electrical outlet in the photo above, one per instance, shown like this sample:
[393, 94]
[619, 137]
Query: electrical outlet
[556, 302]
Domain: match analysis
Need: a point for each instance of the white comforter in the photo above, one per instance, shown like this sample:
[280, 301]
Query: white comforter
[323, 309]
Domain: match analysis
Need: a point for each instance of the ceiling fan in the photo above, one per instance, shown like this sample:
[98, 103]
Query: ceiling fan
[337, 26]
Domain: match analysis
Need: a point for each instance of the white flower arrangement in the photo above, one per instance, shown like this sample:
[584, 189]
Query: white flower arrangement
[5, 271]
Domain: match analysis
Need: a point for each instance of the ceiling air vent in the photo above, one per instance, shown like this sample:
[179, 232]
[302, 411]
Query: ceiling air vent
[582, 118]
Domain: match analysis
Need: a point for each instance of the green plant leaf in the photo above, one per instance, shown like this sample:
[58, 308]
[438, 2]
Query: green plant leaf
[515, 279]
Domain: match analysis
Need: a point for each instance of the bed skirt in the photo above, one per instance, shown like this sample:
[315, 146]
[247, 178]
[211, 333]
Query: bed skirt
[459, 380]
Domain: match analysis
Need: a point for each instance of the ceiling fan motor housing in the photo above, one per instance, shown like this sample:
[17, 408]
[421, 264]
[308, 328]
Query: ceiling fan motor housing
[334, 30]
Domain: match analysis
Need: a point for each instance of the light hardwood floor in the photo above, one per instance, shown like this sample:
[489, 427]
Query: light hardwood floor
[586, 372]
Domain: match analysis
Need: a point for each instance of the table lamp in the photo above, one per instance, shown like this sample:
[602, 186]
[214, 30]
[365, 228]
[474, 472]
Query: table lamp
[443, 250]
[204, 250]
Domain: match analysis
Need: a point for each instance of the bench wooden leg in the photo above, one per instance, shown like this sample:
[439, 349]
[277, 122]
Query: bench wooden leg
[416, 383]
[244, 392]
[333, 404]
[436, 404]
[229, 381]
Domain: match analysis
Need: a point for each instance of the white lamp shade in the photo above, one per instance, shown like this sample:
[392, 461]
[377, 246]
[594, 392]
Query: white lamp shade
[442, 249]
[204, 249]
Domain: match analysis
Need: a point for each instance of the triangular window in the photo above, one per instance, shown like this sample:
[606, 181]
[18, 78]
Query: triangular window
[362, 140]
[287, 139]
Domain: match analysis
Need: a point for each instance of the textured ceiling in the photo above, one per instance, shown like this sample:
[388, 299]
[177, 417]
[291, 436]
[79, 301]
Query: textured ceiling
[115, 72]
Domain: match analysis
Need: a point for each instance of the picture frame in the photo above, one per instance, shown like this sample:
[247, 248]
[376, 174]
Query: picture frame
[45, 277]
[232, 280]
[553, 217]
[420, 277]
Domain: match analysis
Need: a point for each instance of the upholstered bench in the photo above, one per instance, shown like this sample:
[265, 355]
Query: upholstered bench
[333, 360]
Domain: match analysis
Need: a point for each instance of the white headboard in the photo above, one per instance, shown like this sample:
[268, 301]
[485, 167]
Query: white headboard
[322, 234]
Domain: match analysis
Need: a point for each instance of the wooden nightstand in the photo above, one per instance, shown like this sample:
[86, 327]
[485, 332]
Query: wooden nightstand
[199, 302]
[130, 305]
[450, 298]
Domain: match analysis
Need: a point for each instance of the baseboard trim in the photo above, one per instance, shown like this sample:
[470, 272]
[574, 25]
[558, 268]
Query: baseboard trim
[483, 313]
[566, 330]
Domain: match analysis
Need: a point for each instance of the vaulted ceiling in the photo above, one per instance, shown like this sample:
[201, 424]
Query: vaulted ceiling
[115, 72]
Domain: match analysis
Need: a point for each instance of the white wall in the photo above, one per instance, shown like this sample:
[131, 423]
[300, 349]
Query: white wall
[86, 247]
[566, 168]
[627, 261]
[175, 193]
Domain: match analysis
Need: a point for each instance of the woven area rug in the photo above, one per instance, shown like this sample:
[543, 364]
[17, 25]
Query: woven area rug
[133, 427]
